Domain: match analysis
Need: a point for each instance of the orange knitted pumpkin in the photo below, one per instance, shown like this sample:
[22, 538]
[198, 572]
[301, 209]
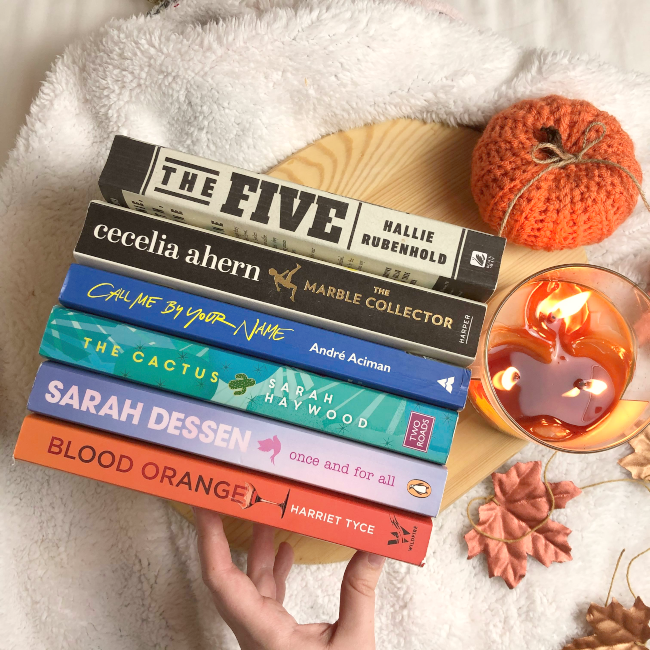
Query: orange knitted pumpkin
[569, 205]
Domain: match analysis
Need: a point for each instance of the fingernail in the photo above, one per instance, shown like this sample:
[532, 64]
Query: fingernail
[375, 560]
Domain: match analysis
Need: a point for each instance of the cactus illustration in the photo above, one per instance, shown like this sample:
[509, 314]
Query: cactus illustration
[240, 383]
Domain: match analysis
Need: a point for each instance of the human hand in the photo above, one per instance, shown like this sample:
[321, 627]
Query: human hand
[251, 603]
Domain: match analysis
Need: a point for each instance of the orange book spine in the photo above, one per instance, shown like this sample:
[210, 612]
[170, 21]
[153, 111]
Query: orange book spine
[226, 489]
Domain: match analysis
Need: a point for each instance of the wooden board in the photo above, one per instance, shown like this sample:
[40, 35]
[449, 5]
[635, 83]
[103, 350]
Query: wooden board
[424, 169]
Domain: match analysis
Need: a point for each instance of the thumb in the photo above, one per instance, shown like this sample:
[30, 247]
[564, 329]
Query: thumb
[356, 624]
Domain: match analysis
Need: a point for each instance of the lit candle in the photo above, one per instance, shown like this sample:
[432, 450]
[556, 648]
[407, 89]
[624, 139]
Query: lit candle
[559, 365]
[563, 372]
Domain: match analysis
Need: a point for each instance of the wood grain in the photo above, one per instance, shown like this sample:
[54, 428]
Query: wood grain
[424, 169]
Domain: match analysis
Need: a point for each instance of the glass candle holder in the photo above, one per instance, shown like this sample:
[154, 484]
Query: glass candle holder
[564, 359]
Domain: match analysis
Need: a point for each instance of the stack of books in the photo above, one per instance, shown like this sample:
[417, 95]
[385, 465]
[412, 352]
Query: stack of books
[266, 350]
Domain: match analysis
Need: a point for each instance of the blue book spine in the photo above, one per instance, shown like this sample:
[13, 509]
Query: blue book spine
[237, 437]
[250, 332]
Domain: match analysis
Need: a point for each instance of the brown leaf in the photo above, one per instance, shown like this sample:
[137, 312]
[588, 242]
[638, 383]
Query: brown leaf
[638, 463]
[521, 501]
[615, 627]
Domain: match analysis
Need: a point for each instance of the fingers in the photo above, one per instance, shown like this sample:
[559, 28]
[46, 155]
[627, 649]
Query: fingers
[356, 625]
[214, 550]
[281, 568]
[234, 594]
[267, 570]
[261, 558]
[257, 622]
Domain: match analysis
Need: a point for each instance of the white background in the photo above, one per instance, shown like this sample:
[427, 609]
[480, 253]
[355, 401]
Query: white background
[34, 32]
[74, 566]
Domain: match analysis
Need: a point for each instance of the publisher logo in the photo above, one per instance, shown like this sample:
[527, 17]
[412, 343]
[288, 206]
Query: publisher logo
[284, 280]
[478, 259]
[400, 535]
[418, 432]
[447, 384]
[418, 488]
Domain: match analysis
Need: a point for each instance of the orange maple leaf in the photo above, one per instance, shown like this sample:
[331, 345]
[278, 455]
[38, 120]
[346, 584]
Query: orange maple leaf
[638, 463]
[615, 627]
[521, 501]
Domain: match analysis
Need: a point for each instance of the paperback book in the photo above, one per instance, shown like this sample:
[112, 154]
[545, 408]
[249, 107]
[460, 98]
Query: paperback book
[274, 339]
[229, 490]
[239, 438]
[333, 297]
[249, 384]
[291, 217]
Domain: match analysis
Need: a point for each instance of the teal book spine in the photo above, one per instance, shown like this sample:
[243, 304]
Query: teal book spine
[249, 384]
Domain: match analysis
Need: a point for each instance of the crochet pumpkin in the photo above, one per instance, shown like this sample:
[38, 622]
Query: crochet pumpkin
[532, 177]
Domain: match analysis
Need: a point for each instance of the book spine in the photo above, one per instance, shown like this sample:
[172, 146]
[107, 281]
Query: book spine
[248, 384]
[251, 332]
[228, 490]
[238, 438]
[321, 294]
[281, 214]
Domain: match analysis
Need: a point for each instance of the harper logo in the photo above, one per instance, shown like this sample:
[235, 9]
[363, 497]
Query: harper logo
[240, 383]
[284, 280]
[447, 383]
[478, 259]
[418, 488]
[401, 535]
[270, 444]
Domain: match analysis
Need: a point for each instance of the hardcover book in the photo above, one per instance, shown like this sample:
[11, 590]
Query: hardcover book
[275, 339]
[249, 384]
[291, 217]
[385, 311]
[230, 490]
[239, 438]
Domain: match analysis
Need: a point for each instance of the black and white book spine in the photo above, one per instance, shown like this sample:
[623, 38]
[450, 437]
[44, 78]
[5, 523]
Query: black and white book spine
[407, 317]
[302, 220]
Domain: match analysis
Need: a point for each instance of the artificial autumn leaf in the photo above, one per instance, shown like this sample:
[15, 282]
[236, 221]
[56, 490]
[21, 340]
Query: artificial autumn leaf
[520, 502]
[615, 627]
[638, 463]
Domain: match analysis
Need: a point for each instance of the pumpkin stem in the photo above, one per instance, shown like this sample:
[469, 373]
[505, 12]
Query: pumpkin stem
[553, 136]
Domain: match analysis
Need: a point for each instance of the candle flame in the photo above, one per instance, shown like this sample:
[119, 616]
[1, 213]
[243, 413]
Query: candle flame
[563, 308]
[593, 386]
[506, 379]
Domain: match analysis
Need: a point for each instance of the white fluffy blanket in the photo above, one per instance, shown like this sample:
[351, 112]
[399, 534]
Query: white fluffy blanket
[86, 565]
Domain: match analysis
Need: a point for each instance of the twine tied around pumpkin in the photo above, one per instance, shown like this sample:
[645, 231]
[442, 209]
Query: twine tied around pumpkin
[557, 157]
